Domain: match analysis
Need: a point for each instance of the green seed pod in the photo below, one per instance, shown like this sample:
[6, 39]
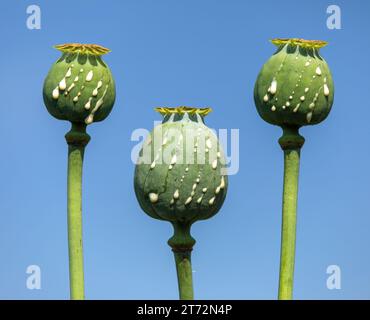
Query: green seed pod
[183, 179]
[295, 87]
[79, 86]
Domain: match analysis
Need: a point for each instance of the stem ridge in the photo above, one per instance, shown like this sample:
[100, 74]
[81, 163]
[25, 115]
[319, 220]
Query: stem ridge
[291, 139]
[77, 136]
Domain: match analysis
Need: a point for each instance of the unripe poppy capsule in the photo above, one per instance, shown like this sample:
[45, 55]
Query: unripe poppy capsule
[182, 178]
[79, 86]
[294, 87]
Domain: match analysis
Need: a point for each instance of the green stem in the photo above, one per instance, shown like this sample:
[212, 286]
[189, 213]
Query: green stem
[182, 244]
[77, 139]
[291, 143]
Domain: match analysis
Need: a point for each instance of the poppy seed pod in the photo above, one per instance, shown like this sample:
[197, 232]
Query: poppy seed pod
[79, 86]
[181, 177]
[293, 89]
[295, 86]
[183, 181]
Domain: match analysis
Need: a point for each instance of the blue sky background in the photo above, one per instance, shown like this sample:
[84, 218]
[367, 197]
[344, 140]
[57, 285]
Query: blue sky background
[197, 53]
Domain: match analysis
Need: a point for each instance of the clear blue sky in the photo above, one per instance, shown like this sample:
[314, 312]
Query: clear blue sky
[197, 53]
